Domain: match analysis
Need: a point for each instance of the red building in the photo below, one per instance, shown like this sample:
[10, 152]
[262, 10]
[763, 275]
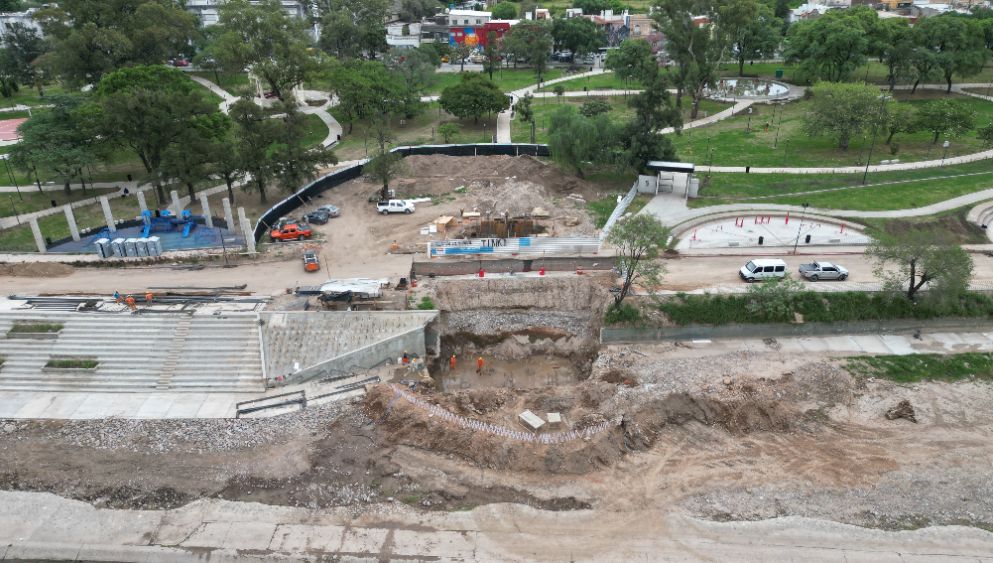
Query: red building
[476, 35]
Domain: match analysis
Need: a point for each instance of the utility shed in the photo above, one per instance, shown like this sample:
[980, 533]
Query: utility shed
[670, 177]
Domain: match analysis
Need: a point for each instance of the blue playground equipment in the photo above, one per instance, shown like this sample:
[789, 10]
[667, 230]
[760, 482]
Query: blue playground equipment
[166, 222]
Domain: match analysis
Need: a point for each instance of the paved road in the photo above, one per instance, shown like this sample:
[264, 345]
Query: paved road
[43, 526]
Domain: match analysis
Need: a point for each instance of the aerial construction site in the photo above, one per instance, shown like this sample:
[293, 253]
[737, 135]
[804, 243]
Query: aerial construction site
[483, 400]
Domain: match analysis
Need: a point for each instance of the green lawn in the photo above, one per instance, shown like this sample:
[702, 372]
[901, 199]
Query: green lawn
[235, 83]
[875, 71]
[316, 131]
[605, 81]
[775, 137]
[920, 367]
[917, 188]
[508, 79]
[950, 224]
[520, 131]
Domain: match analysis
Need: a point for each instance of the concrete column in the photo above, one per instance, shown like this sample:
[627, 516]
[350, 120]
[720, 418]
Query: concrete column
[107, 215]
[71, 219]
[38, 239]
[228, 216]
[141, 201]
[177, 208]
[205, 206]
[246, 229]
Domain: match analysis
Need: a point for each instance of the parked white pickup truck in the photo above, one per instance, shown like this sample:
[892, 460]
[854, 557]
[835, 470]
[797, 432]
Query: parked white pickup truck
[395, 206]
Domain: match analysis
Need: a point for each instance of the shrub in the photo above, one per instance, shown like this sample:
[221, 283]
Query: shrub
[626, 313]
[34, 327]
[426, 304]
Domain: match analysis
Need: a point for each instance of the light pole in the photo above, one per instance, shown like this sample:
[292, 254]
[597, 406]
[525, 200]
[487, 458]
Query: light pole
[749, 126]
[800, 228]
[10, 175]
[946, 144]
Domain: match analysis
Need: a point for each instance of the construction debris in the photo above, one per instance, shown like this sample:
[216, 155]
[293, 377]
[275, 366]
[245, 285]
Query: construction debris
[903, 409]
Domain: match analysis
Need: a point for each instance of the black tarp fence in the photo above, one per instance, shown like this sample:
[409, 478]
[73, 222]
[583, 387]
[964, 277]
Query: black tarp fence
[303, 196]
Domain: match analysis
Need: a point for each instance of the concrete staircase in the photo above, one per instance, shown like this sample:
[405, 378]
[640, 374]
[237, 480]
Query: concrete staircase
[136, 353]
[982, 214]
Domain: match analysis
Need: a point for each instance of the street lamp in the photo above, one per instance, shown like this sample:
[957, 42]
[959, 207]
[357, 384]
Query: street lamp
[6, 158]
[946, 144]
[800, 228]
[749, 126]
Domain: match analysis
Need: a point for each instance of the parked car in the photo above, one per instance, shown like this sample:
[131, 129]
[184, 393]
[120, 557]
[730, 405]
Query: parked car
[395, 206]
[270, 95]
[477, 58]
[444, 58]
[332, 210]
[318, 217]
[180, 62]
[763, 269]
[310, 261]
[823, 271]
[291, 231]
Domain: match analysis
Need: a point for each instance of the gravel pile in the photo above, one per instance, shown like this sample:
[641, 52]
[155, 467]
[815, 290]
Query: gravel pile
[178, 435]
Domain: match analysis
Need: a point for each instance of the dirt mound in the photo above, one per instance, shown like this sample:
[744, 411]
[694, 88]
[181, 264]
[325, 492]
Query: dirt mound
[481, 401]
[737, 417]
[903, 409]
[462, 169]
[36, 270]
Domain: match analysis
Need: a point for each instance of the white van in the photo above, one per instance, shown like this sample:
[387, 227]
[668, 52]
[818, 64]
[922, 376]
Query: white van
[763, 269]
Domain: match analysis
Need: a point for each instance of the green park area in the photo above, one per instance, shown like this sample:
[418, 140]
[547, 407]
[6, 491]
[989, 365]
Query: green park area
[507, 79]
[774, 136]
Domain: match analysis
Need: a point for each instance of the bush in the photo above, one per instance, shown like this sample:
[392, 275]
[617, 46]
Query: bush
[34, 328]
[626, 313]
[426, 304]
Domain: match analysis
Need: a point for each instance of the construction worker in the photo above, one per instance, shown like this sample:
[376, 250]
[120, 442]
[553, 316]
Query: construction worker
[451, 363]
[405, 359]
[117, 296]
[131, 303]
[148, 298]
[479, 365]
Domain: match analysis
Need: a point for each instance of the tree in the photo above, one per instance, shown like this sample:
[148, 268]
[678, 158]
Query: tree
[59, 139]
[296, 163]
[985, 135]
[945, 118]
[448, 131]
[594, 107]
[653, 110]
[898, 50]
[844, 110]
[900, 118]
[530, 41]
[23, 47]
[830, 47]
[491, 54]
[461, 51]
[367, 89]
[957, 44]
[918, 258]
[925, 63]
[633, 60]
[579, 35]
[473, 97]
[559, 91]
[384, 167]
[147, 109]
[415, 10]
[638, 241]
[264, 38]
[504, 11]
[696, 49]
[189, 160]
[415, 66]
[595, 7]
[751, 28]
[339, 36]
[225, 159]
[361, 22]
[575, 140]
[524, 108]
[256, 135]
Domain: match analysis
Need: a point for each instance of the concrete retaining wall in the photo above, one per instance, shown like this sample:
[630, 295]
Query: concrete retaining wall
[366, 357]
[444, 267]
[777, 330]
[577, 293]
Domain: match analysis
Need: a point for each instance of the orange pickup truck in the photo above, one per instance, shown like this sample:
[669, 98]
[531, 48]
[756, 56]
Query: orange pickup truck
[310, 261]
[291, 231]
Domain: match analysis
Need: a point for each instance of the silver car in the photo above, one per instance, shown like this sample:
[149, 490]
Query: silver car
[823, 271]
[332, 210]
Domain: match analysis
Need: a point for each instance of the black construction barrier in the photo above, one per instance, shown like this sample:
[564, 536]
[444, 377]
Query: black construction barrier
[324, 183]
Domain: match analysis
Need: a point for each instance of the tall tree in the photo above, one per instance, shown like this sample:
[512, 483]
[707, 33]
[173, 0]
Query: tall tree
[383, 168]
[576, 140]
[957, 44]
[24, 46]
[900, 118]
[945, 118]
[633, 60]
[264, 38]
[367, 89]
[416, 67]
[530, 41]
[898, 50]
[595, 7]
[751, 28]
[919, 259]
[473, 97]
[256, 135]
[830, 47]
[296, 164]
[504, 11]
[638, 241]
[654, 111]
[148, 109]
[354, 27]
[579, 35]
[190, 159]
[491, 53]
[59, 139]
[844, 111]
[694, 47]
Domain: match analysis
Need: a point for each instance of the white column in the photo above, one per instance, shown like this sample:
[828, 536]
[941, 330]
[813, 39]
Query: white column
[71, 219]
[141, 201]
[246, 229]
[228, 216]
[205, 207]
[107, 215]
[177, 207]
[38, 239]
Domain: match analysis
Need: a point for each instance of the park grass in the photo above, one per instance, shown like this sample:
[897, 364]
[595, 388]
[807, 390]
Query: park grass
[605, 81]
[874, 72]
[950, 225]
[841, 306]
[601, 209]
[507, 79]
[776, 138]
[315, 131]
[420, 130]
[235, 83]
[916, 188]
[914, 368]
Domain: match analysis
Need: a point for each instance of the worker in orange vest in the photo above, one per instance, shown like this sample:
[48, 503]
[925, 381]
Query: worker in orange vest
[451, 363]
[479, 365]
[405, 359]
[130, 302]
[148, 298]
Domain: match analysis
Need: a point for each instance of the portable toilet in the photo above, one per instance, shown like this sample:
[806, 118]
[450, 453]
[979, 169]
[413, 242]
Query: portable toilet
[117, 246]
[140, 246]
[129, 249]
[154, 245]
[103, 247]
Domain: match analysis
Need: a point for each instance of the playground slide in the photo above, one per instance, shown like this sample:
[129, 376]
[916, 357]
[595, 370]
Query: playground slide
[146, 230]
[188, 227]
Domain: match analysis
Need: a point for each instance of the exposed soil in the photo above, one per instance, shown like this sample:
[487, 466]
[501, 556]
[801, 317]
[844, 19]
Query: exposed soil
[36, 270]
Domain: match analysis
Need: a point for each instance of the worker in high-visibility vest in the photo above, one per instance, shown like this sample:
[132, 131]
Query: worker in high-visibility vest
[131, 302]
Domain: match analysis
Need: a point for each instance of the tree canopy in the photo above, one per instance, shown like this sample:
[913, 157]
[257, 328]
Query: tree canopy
[576, 140]
[844, 110]
[579, 35]
[633, 60]
[504, 11]
[695, 49]
[751, 29]
[529, 41]
[956, 44]
[945, 118]
[58, 139]
[638, 241]
[473, 97]
[919, 259]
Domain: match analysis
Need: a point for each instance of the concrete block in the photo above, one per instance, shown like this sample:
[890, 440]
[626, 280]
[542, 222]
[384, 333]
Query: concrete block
[246, 229]
[141, 201]
[39, 240]
[228, 216]
[177, 206]
[107, 215]
[205, 206]
[71, 220]
[554, 420]
[531, 421]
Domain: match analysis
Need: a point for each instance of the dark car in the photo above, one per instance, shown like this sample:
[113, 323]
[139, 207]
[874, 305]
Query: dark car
[319, 217]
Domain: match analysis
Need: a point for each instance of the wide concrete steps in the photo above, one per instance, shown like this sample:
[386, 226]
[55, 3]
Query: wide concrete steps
[135, 353]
